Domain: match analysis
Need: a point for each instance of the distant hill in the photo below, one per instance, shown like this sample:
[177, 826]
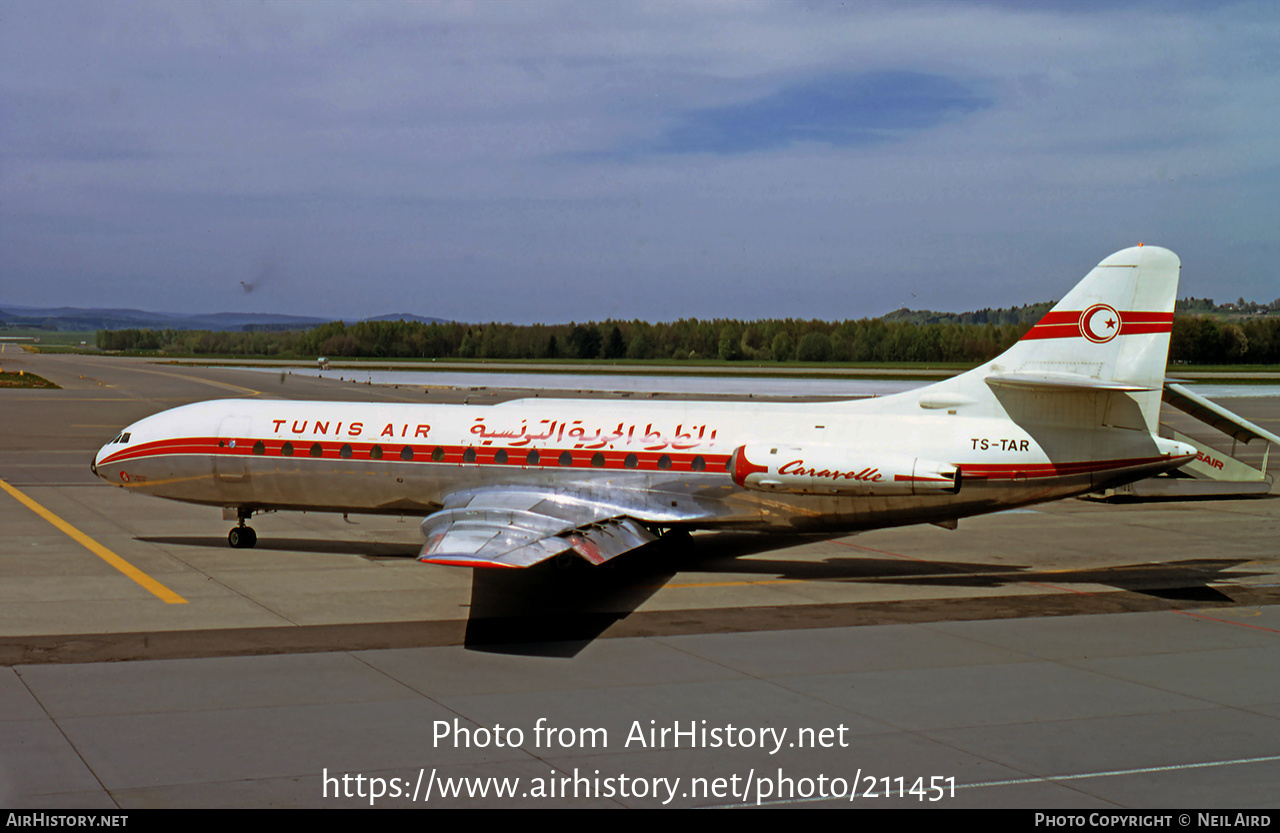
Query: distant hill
[400, 316]
[74, 318]
[1239, 309]
[1026, 314]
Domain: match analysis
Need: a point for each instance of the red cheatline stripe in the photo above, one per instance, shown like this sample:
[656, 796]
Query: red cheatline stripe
[188, 445]
[581, 458]
[614, 460]
[1011, 471]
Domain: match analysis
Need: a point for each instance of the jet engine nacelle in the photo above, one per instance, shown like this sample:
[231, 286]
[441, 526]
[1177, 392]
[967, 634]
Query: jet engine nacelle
[831, 470]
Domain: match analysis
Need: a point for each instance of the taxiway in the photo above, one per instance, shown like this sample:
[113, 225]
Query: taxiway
[1071, 655]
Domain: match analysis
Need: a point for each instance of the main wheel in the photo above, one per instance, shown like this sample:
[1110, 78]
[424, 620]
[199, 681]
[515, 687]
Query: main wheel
[242, 537]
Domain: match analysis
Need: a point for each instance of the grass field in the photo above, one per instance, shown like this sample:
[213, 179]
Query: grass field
[84, 342]
[18, 379]
[53, 341]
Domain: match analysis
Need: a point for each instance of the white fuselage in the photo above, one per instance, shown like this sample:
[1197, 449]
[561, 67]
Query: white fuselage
[663, 463]
[1071, 407]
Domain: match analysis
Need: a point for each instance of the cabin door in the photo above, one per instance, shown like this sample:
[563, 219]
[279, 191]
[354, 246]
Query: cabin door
[231, 458]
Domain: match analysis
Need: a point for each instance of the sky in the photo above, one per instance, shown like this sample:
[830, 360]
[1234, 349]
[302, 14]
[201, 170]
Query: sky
[565, 161]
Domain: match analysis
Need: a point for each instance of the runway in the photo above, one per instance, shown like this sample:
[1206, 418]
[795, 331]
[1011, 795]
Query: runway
[1072, 655]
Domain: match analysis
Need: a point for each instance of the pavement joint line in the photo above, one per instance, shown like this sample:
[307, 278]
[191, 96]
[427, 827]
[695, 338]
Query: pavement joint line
[1015, 782]
[1116, 772]
[142, 579]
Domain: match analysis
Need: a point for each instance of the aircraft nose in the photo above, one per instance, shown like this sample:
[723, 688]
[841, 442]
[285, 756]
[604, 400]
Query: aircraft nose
[93, 464]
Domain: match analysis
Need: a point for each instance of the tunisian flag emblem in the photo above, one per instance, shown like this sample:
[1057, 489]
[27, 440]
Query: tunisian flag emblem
[1100, 323]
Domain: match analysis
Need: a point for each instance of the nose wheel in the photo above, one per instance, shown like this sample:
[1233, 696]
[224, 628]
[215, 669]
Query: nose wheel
[242, 537]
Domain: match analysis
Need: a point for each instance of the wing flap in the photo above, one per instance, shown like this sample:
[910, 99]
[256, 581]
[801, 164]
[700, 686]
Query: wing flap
[601, 542]
[520, 528]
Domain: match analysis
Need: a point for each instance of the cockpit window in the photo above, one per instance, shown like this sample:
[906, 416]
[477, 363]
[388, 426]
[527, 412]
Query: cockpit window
[124, 438]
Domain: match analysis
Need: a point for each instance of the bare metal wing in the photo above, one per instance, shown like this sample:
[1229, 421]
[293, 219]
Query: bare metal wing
[522, 527]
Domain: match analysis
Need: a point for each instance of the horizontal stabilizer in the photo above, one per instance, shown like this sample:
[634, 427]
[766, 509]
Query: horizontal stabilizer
[1060, 382]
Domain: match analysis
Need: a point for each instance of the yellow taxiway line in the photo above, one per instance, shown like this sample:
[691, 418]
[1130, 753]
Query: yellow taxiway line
[146, 581]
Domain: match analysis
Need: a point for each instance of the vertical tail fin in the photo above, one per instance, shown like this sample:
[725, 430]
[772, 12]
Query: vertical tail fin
[1113, 326]
[1108, 334]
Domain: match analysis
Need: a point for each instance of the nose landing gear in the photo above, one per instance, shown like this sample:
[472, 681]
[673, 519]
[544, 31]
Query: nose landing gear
[242, 537]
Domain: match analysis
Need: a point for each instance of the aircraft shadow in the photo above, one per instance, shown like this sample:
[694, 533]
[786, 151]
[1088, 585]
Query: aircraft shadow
[1185, 580]
[547, 610]
[1126, 499]
[725, 553]
[556, 611]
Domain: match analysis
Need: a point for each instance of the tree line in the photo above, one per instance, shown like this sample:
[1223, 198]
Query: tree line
[1195, 340]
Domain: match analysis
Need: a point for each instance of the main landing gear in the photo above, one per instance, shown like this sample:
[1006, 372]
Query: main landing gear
[242, 537]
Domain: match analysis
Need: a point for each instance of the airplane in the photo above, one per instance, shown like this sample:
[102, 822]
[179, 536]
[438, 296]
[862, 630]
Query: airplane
[1070, 408]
